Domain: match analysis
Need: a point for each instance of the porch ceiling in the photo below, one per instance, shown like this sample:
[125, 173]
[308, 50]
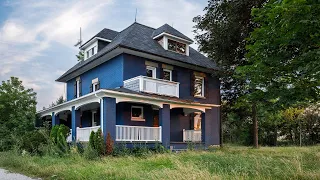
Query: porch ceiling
[126, 95]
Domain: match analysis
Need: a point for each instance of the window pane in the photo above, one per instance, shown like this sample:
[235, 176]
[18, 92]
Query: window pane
[88, 54]
[137, 112]
[171, 45]
[198, 86]
[181, 48]
[166, 75]
[149, 72]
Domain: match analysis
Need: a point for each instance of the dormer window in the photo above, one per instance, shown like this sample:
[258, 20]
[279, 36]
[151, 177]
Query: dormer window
[91, 51]
[176, 46]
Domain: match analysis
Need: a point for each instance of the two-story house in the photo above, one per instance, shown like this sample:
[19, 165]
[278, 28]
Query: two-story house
[141, 85]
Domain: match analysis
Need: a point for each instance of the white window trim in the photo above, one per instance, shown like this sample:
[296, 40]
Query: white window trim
[137, 118]
[154, 71]
[202, 87]
[94, 83]
[78, 88]
[170, 71]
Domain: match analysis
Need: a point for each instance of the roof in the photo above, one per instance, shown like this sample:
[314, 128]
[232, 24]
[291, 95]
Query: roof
[170, 30]
[105, 34]
[138, 37]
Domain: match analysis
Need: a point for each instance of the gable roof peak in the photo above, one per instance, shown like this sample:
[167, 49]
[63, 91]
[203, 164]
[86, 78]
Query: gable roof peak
[166, 28]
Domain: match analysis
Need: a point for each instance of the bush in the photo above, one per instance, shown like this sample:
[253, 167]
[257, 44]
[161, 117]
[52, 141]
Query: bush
[57, 130]
[91, 139]
[109, 145]
[54, 133]
[120, 149]
[158, 148]
[32, 141]
[90, 153]
[99, 142]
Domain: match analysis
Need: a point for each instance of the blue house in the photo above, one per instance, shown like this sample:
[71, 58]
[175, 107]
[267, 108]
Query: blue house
[141, 85]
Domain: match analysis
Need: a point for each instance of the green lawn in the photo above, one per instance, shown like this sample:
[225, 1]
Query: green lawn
[233, 162]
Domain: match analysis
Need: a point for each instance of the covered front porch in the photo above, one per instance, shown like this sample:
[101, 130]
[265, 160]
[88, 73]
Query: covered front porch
[137, 118]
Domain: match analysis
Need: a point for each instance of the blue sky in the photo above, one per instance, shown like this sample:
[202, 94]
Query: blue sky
[37, 37]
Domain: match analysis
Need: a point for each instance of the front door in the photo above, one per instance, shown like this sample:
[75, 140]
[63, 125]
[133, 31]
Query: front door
[156, 118]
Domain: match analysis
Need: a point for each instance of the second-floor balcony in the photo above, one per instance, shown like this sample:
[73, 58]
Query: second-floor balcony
[151, 85]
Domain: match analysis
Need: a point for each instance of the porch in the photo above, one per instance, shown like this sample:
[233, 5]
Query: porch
[137, 118]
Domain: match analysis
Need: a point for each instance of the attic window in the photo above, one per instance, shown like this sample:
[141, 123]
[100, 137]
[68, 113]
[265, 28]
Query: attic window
[176, 46]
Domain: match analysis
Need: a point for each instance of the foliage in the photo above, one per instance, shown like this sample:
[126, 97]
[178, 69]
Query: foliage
[99, 142]
[33, 141]
[90, 153]
[231, 162]
[60, 100]
[80, 56]
[120, 149]
[283, 53]
[58, 130]
[109, 144]
[91, 139]
[17, 111]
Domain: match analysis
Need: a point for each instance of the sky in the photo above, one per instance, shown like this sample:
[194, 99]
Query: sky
[37, 37]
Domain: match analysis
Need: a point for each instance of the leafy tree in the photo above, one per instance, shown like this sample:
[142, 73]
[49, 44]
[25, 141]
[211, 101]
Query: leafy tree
[60, 100]
[221, 34]
[80, 56]
[283, 52]
[17, 111]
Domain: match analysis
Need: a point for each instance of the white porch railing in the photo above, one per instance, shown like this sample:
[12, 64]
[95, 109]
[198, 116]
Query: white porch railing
[138, 133]
[151, 85]
[191, 135]
[83, 134]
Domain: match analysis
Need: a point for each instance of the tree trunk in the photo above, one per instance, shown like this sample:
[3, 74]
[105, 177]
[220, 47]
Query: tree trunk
[255, 125]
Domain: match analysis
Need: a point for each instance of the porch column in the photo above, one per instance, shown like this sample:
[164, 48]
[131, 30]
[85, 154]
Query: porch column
[203, 127]
[75, 119]
[108, 117]
[164, 117]
[53, 118]
[212, 126]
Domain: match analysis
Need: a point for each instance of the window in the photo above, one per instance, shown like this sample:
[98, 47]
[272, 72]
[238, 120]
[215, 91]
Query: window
[91, 52]
[88, 54]
[151, 72]
[176, 46]
[167, 74]
[199, 86]
[137, 113]
[95, 85]
[78, 88]
[94, 118]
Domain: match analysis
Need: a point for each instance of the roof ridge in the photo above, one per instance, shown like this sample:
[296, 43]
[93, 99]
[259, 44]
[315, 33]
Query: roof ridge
[145, 25]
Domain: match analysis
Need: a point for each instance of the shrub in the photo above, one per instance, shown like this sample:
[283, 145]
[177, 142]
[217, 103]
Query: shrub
[120, 149]
[62, 143]
[32, 141]
[159, 148]
[90, 153]
[109, 145]
[54, 133]
[91, 139]
[99, 142]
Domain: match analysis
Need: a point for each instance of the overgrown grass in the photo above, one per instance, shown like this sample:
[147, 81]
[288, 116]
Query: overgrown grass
[227, 163]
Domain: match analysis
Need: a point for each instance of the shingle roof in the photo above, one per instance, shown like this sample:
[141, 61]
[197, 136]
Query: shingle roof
[170, 30]
[106, 34]
[139, 37]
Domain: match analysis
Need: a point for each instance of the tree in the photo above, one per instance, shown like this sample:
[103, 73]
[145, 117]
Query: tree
[80, 56]
[221, 34]
[17, 111]
[283, 52]
[60, 100]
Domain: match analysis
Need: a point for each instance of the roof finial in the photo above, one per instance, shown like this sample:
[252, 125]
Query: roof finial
[135, 17]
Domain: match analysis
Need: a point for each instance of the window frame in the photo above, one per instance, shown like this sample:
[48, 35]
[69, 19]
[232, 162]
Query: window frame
[78, 88]
[202, 86]
[138, 118]
[93, 113]
[176, 47]
[94, 83]
[154, 71]
[170, 71]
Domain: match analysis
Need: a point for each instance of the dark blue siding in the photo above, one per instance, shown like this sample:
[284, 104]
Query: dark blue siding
[124, 114]
[135, 66]
[110, 75]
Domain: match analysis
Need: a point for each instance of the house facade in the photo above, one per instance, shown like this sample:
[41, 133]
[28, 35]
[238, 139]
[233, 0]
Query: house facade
[141, 85]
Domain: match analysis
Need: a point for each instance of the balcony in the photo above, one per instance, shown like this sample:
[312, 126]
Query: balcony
[151, 85]
[191, 135]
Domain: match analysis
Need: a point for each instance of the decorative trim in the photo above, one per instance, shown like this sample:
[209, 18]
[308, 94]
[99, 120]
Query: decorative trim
[173, 36]
[149, 63]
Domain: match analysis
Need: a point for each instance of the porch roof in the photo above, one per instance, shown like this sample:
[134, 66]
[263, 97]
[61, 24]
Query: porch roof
[126, 95]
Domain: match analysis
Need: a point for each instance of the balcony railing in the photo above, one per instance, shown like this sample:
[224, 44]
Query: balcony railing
[191, 135]
[151, 85]
[138, 133]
